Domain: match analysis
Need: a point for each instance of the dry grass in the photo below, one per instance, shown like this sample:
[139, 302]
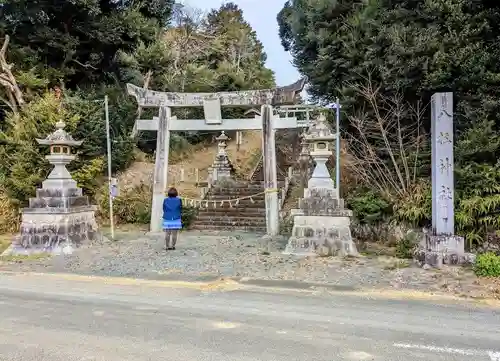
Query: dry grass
[9, 217]
[5, 240]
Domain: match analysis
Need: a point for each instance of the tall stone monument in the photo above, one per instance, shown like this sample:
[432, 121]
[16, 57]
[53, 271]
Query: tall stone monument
[222, 167]
[321, 225]
[441, 245]
[60, 217]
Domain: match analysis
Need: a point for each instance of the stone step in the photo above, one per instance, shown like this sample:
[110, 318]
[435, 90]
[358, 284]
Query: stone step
[232, 219]
[233, 199]
[244, 186]
[248, 191]
[241, 205]
[239, 185]
[227, 226]
[235, 196]
[203, 227]
[247, 212]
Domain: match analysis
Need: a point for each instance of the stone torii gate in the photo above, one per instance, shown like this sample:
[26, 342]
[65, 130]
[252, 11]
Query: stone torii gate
[267, 121]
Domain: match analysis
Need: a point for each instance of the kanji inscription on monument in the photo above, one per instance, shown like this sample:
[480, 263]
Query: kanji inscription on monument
[442, 164]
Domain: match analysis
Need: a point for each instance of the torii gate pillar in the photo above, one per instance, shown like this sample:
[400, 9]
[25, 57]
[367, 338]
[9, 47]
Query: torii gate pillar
[270, 176]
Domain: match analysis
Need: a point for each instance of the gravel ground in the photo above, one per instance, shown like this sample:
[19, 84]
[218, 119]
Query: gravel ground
[208, 256]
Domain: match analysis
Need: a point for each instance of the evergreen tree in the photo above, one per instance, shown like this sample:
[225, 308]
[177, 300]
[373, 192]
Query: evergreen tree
[76, 42]
[414, 48]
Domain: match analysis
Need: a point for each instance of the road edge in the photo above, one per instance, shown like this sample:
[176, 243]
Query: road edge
[251, 284]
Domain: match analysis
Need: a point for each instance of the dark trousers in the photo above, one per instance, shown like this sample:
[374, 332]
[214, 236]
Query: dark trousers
[171, 237]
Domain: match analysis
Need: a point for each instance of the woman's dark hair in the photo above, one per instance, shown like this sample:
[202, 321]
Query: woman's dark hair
[172, 192]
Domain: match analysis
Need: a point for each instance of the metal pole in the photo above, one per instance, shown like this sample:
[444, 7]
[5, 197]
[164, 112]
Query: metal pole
[108, 142]
[337, 147]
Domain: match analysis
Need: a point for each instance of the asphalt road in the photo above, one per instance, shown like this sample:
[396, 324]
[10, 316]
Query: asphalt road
[52, 318]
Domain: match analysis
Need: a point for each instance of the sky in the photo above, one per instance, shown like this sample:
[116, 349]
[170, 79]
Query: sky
[261, 14]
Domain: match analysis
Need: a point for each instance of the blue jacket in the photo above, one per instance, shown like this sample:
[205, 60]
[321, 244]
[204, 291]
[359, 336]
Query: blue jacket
[172, 208]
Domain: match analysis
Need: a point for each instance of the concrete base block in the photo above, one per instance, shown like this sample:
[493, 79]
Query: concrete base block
[53, 233]
[439, 250]
[321, 235]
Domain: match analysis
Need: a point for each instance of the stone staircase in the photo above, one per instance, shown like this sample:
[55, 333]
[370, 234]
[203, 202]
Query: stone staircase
[248, 215]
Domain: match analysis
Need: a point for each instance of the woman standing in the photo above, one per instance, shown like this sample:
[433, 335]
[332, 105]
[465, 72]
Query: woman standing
[172, 209]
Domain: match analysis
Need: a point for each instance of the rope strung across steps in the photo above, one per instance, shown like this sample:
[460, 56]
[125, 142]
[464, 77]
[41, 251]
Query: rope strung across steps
[203, 203]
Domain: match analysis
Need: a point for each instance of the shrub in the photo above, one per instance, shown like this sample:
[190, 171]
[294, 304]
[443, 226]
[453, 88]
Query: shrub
[406, 246]
[188, 215]
[368, 206]
[286, 226]
[133, 205]
[89, 176]
[487, 265]
[413, 208]
[372, 215]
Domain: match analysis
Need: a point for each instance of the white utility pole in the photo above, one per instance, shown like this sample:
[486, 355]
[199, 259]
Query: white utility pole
[108, 142]
[337, 107]
[337, 147]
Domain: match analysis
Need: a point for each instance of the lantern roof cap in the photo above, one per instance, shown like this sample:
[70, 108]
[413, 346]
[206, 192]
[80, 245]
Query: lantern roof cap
[59, 137]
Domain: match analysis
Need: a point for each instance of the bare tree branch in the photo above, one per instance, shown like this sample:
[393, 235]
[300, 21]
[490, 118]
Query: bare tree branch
[8, 81]
[86, 65]
[386, 142]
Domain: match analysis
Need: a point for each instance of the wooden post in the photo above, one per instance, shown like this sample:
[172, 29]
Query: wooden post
[270, 176]
[239, 140]
[160, 180]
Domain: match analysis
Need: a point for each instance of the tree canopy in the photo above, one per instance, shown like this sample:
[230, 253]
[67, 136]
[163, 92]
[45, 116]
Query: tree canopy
[76, 42]
[92, 48]
[419, 47]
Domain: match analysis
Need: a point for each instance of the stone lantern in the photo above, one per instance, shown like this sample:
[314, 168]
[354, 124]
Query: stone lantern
[321, 225]
[60, 143]
[60, 217]
[304, 149]
[222, 143]
[222, 167]
[319, 139]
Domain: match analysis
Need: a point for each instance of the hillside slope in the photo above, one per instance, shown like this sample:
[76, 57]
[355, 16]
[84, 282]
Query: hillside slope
[201, 158]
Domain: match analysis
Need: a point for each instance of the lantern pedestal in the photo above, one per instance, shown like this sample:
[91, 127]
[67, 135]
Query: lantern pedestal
[321, 225]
